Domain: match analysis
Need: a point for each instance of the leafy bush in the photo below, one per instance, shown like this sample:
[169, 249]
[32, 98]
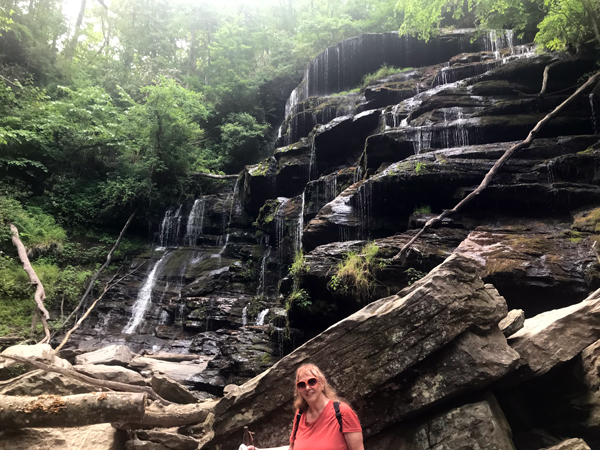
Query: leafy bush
[422, 209]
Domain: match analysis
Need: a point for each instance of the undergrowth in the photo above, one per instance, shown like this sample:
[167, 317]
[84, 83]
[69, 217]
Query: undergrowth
[355, 274]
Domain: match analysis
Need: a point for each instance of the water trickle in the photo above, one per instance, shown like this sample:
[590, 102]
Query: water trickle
[164, 317]
[344, 233]
[594, 118]
[245, 316]
[144, 297]
[195, 222]
[357, 175]
[280, 231]
[299, 226]
[233, 197]
[260, 319]
[422, 139]
[260, 291]
[312, 167]
[169, 228]
[365, 206]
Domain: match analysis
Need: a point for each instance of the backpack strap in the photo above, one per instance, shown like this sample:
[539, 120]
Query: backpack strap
[338, 415]
[296, 425]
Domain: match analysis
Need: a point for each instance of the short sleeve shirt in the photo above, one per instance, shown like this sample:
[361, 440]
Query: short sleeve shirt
[324, 433]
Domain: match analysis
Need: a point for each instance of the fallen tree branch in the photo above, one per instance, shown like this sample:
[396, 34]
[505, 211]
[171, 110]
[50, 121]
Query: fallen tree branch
[95, 277]
[498, 165]
[113, 385]
[69, 411]
[108, 285]
[546, 75]
[169, 416]
[40, 294]
[216, 177]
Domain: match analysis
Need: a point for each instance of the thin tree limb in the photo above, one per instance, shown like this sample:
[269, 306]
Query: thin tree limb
[40, 294]
[95, 277]
[546, 74]
[498, 165]
[212, 175]
[112, 385]
[108, 286]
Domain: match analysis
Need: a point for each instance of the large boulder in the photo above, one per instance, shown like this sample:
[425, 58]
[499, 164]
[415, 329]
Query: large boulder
[43, 353]
[553, 337]
[391, 334]
[479, 425]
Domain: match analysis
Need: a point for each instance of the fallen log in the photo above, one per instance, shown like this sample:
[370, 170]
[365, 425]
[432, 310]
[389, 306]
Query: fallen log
[158, 415]
[70, 411]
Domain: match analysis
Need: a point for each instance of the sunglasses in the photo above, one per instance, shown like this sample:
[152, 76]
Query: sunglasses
[311, 382]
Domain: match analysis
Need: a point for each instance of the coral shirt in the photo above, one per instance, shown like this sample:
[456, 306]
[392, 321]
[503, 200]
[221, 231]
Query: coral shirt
[324, 433]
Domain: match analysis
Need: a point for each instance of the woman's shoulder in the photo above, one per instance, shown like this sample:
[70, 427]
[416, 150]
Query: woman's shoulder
[345, 407]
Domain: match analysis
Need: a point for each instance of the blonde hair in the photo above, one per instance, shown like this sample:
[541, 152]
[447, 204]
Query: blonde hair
[299, 402]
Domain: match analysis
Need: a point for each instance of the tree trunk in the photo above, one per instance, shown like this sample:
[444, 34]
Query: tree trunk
[72, 45]
[70, 411]
[40, 294]
[168, 416]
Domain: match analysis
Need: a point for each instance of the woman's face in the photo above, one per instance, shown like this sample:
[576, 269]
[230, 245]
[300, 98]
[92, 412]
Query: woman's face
[309, 393]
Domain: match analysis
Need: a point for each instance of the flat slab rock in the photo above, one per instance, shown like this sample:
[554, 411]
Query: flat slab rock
[480, 425]
[173, 441]
[93, 437]
[554, 337]
[116, 355]
[111, 373]
[179, 372]
[387, 337]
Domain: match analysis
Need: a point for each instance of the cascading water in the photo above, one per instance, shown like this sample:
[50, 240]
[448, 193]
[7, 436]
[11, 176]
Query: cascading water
[232, 198]
[144, 298]
[195, 222]
[170, 228]
[245, 316]
[299, 226]
[594, 118]
[260, 319]
[260, 291]
[279, 231]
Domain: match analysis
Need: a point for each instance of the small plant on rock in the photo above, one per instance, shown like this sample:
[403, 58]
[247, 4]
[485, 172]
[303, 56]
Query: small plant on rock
[355, 275]
[422, 209]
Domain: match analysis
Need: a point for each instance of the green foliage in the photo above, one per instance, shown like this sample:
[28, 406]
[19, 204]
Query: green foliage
[569, 23]
[355, 275]
[298, 298]
[383, 72]
[420, 168]
[298, 267]
[413, 275]
[422, 209]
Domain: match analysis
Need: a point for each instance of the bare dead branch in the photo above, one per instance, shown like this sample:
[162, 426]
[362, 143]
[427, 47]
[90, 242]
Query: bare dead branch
[95, 277]
[111, 283]
[40, 294]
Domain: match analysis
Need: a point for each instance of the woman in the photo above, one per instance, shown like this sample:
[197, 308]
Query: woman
[318, 427]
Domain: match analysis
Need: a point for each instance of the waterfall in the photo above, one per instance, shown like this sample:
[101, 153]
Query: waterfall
[245, 316]
[144, 297]
[280, 231]
[594, 118]
[312, 167]
[365, 206]
[169, 228]
[195, 222]
[260, 291]
[232, 198]
[299, 227]
[260, 319]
